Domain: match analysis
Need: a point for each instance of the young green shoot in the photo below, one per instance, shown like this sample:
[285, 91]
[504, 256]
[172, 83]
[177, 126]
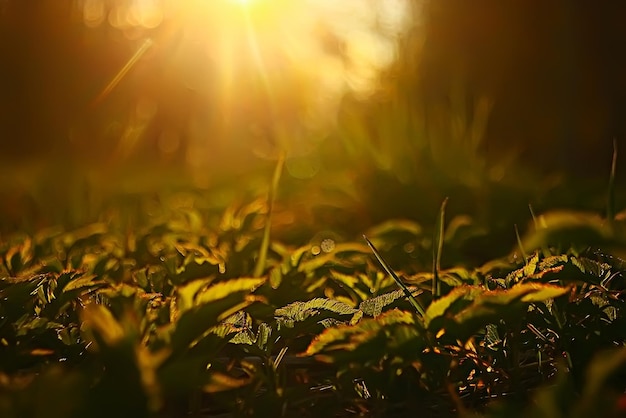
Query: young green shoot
[610, 204]
[265, 243]
[520, 245]
[438, 248]
[395, 277]
[532, 214]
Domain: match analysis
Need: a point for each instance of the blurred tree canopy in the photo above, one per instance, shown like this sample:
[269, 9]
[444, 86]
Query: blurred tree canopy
[554, 70]
[543, 81]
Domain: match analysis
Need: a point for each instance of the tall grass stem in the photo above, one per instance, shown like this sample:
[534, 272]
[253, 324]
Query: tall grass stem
[271, 197]
[438, 248]
[521, 245]
[395, 277]
[610, 204]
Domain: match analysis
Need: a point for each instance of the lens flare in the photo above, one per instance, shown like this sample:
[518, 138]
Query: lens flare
[274, 71]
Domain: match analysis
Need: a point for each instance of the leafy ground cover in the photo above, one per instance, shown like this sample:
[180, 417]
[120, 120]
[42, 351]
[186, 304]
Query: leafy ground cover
[195, 303]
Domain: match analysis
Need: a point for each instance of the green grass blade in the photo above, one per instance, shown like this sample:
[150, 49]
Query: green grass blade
[520, 245]
[532, 214]
[395, 277]
[610, 204]
[265, 243]
[279, 357]
[438, 248]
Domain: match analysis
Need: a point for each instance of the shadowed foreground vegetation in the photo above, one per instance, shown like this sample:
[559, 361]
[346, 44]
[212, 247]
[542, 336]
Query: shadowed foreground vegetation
[451, 244]
[176, 301]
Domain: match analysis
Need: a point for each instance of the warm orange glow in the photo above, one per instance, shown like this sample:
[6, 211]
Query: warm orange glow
[277, 69]
[244, 2]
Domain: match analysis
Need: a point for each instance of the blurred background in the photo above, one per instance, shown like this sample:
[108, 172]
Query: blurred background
[382, 107]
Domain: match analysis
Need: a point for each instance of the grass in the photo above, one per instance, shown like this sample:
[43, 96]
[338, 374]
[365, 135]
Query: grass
[250, 296]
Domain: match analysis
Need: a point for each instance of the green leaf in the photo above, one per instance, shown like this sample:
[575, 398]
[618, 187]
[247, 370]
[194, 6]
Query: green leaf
[263, 335]
[298, 310]
[199, 321]
[100, 320]
[566, 229]
[565, 268]
[357, 284]
[368, 341]
[341, 255]
[543, 292]
[224, 289]
[80, 282]
[16, 294]
[186, 294]
[394, 227]
[374, 306]
[592, 268]
[530, 267]
[220, 382]
[203, 291]
[527, 292]
[275, 277]
[492, 306]
[319, 310]
[442, 306]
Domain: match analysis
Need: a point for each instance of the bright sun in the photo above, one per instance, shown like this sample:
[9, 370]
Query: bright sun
[282, 66]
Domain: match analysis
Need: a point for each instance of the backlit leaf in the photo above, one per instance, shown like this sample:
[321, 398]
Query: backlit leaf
[99, 319]
[224, 289]
[375, 306]
[349, 337]
[441, 306]
[301, 310]
[219, 382]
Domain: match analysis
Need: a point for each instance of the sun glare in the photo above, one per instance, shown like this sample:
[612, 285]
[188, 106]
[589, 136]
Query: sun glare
[244, 2]
[277, 67]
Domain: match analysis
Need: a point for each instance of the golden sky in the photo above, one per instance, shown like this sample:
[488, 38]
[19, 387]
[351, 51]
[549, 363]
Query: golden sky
[288, 62]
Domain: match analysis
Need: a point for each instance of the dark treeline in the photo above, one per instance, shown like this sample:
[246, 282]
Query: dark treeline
[555, 71]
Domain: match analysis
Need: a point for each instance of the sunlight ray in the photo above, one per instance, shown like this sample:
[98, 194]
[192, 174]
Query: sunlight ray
[262, 71]
[145, 46]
